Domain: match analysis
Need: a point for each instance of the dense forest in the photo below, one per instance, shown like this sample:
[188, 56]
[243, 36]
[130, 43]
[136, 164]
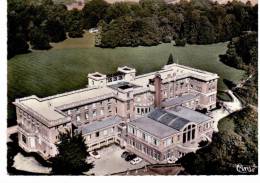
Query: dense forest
[242, 53]
[149, 22]
[233, 146]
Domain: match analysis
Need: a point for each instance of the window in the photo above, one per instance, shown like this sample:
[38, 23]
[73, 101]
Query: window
[138, 110]
[105, 132]
[128, 94]
[86, 115]
[144, 136]
[24, 139]
[168, 142]
[69, 112]
[188, 133]
[102, 111]
[128, 105]
[97, 134]
[94, 113]
[78, 118]
[155, 142]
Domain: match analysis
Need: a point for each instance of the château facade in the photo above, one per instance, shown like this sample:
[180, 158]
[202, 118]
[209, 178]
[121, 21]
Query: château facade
[152, 115]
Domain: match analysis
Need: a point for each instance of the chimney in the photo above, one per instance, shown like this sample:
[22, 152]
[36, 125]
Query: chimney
[157, 87]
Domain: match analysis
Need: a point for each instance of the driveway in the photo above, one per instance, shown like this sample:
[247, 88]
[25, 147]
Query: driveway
[231, 107]
[111, 162]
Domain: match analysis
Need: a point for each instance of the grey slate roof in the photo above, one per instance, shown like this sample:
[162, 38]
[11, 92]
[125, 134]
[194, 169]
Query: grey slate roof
[189, 114]
[95, 126]
[168, 119]
[178, 100]
[153, 127]
[163, 123]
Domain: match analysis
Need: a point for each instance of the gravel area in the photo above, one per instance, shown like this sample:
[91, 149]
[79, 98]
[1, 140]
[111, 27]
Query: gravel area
[111, 162]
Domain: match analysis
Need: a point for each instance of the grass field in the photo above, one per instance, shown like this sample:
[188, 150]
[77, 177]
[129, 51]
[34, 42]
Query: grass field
[87, 41]
[224, 96]
[50, 72]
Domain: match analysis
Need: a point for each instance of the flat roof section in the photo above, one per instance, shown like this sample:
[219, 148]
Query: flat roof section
[153, 127]
[123, 85]
[98, 125]
[47, 106]
[178, 100]
[189, 114]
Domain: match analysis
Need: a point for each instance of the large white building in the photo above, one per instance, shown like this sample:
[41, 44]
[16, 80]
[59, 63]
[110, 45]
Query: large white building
[139, 112]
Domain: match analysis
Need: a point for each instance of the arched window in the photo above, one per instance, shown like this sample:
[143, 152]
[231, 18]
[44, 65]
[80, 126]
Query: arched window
[188, 133]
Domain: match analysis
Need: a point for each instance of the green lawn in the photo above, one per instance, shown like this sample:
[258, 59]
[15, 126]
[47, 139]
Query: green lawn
[46, 73]
[87, 41]
[224, 96]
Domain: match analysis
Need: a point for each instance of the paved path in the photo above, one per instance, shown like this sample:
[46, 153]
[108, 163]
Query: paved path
[11, 130]
[231, 107]
[29, 164]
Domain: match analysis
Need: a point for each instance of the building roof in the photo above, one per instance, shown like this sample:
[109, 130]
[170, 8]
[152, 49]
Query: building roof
[188, 114]
[123, 85]
[153, 127]
[98, 125]
[50, 107]
[163, 123]
[178, 100]
[168, 119]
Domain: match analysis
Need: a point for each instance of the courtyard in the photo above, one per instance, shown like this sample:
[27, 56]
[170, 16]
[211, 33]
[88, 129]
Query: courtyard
[111, 162]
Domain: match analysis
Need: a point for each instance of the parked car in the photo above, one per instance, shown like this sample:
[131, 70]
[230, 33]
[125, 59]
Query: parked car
[130, 157]
[94, 154]
[172, 160]
[136, 161]
[124, 154]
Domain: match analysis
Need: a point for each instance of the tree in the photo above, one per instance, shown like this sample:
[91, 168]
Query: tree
[93, 12]
[229, 147]
[72, 154]
[39, 39]
[74, 23]
[170, 60]
[180, 42]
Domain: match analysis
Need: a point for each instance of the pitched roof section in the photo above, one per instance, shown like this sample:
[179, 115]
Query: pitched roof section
[168, 119]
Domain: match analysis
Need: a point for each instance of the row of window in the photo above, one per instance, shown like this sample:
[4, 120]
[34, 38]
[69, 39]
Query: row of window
[93, 106]
[142, 110]
[145, 149]
[94, 114]
[143, 136]
[99, 133]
